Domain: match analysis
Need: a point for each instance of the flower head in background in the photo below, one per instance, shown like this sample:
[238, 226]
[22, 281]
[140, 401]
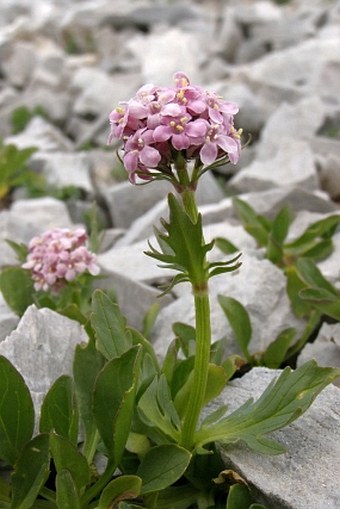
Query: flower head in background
[161, 125]
[59, 256]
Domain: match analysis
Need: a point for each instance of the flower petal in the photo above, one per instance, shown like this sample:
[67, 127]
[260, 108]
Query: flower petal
[180, 141]
[208, 153]
[130, 160]
[149, 156]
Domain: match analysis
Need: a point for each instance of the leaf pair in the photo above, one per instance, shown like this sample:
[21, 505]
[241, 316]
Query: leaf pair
[182, 248]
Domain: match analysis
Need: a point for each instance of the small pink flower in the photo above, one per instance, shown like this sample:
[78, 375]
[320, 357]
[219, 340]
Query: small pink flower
[180, 130]
[138, 151]
[217, 142]
[58, 256]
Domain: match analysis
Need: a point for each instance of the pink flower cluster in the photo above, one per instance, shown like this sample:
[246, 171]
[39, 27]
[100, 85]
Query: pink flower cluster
[159, 121]
[58, 256]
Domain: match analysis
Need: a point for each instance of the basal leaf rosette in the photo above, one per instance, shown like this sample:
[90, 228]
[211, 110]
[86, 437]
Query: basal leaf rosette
[163, 128]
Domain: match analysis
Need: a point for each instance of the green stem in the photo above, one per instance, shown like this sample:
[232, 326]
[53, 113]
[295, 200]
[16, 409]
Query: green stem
[189, 203]
[48, 494]
[201, 368]
[90, 446]
[99, 485]
[312, 323]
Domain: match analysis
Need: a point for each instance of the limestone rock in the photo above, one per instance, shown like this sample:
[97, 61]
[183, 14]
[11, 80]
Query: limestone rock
[292, 165]
[28, 218]
[8, 319]
[63, 169]
[42, 348]
[325, 349]
[41, 134]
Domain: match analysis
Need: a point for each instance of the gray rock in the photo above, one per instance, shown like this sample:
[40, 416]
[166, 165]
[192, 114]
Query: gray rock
[258, 285]
[127, 202]
[290, 122]
[41, 134]
[269, 203]
[272, 201]
[299, 67]
[287, 481]
[42, 349]
[172, 15]
[19, 64]
[325, 349]
[330, 265]
[133, 263]
[230, 35]
[28, 218]
[292, 165]
[330, 175]
[98, 93]
[164, 52]
[44, 213]
[142, 227]
[63, 169]
[8, 319]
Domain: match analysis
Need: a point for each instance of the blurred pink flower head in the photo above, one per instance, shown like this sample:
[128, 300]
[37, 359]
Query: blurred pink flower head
[160, 122]
[58, 256]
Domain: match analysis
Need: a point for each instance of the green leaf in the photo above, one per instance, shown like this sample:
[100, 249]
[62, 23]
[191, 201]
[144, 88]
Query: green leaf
[223, 267]
[59, 410]
[67, 496]
[325, 302]
[225, 246]
[86, 365]
[150, 319]
[257, 226]
[186, 335]
[124, 487]
[156, 409]
[182, 248]
[109, 324]
[21, 250]
[67, 457]
[239, 320]
[162, 466]
[312, 276]
[147, 349]
[294, 286]
[319, 251]
[239, 497]
[277, 350]
[322, 229]
[17, 288]
[283, 401]
[30, 473]
[277, 235]
[232, 364]
[178, 497]
[216, 382]
[114, 400]
[16, 412]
